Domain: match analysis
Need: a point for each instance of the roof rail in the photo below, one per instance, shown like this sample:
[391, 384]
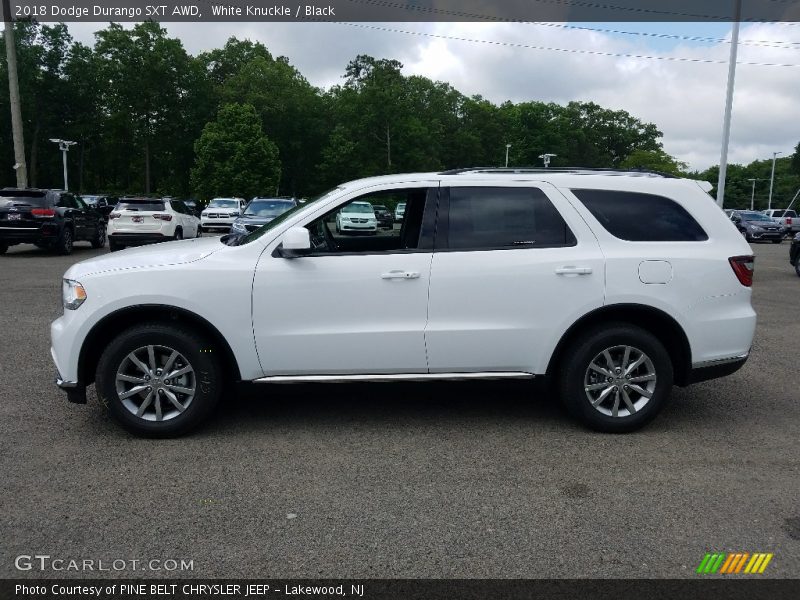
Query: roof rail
[569, 170]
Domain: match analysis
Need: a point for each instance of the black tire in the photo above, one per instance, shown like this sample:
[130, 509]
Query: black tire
[114, 246]
[3, 248]
[65, 242]
[573, 375]
[178, 234]
[99, 239]
[198, 352]
[745, 235]
[777, 241]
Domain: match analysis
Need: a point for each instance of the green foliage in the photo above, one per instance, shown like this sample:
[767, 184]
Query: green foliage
[654, 160]
[738, 188]
[234, 157]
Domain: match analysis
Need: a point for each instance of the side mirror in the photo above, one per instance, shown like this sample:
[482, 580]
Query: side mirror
[296, 242]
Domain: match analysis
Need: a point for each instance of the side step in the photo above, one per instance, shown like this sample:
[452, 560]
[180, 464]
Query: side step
[394, 377]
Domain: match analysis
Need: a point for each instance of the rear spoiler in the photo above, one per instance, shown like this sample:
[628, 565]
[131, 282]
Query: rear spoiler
[705, 186]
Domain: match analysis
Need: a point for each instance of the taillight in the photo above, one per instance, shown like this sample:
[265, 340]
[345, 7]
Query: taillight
[743, 268]
[163, 217]
[43, 212]
[788, 220]
[114, 216]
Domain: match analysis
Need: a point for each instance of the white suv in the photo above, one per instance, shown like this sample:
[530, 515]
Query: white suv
[616, 286]
[137, 221]
[221, 213]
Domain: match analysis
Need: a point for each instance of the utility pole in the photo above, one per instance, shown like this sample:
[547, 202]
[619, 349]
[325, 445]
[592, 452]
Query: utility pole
[13, 93]
[64, 145]
[753, 193]
[772, 179]
[508, 147]
[726, 122]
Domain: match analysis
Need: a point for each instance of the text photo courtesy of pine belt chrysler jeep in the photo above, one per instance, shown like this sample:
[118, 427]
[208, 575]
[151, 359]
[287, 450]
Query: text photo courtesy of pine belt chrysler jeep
[615, 285]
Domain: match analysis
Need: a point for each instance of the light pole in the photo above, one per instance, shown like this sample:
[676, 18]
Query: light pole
[64, 145]
[726, 120]
[508, 147]
[546, 158]
[772, 179]
[20, 166]
[753, 193]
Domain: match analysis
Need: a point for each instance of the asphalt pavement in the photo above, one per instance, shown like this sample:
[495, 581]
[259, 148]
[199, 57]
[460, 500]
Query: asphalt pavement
[401, 480]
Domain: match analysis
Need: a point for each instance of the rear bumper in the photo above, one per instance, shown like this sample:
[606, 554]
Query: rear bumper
[28, 235]
[131, 239]
[717, 368]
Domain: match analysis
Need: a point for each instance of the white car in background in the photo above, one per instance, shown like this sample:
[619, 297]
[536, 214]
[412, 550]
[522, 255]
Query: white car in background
[138, 221]
[221, 213]
[357, 217]
[400, 212]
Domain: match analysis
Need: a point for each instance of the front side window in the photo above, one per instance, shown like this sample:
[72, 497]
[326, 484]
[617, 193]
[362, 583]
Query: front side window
[637, 217]
[354, 227]
[67, 201]
[504, 218]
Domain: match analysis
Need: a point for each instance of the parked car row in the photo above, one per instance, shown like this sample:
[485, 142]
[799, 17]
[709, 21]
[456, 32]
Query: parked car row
[768, 225]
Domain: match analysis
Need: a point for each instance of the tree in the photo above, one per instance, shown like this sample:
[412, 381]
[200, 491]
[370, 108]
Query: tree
[654, 160]
[796, 159]
[234, 157]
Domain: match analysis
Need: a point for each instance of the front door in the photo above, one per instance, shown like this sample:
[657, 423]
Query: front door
[358, 303]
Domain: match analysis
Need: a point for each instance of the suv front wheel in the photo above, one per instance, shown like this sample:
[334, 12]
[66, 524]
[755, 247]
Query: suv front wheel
[616, 378]
[159, 380]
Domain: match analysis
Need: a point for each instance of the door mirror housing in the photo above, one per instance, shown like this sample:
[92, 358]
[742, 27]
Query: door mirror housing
[296, 242]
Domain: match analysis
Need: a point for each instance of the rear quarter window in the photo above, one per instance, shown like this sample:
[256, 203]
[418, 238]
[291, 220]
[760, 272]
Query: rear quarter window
[638, 217]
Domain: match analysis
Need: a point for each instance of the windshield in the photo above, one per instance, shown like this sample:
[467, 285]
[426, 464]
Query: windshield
[755, 217]
[223, 203]
[358, 207]
[267, 208]
[90, 199]
[295, 210]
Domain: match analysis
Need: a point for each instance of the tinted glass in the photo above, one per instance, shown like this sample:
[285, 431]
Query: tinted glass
[141, 205]
[639, 217]
[268, 208]
[67, 201]
[748, 216]
[504, 218]
[23, 198]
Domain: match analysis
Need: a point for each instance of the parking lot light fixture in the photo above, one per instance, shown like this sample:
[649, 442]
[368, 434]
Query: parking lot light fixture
[772, 179]
[546, 158]
[753, 192]
[508, 147]
[64, 145]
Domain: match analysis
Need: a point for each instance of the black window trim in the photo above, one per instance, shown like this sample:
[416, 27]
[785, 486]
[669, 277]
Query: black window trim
[442, 241]
[427, 230]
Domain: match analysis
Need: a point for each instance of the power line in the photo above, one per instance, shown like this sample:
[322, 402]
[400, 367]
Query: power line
[566, 50]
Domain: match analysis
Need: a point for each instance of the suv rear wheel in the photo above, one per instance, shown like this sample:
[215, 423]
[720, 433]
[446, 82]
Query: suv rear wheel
[159, 380]
[65, 241]
[616, 378]
[99, 239]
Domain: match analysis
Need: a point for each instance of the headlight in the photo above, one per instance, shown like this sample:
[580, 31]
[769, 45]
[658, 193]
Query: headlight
[72, 294]
[239, 227]
[755, 227]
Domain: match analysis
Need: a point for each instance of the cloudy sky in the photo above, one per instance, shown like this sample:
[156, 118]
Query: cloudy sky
[568, 61]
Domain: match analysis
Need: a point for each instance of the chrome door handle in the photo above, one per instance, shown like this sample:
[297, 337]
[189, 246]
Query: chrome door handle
[570, 270]
[400, 275]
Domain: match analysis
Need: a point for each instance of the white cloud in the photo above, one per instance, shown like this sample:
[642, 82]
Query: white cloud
[684, 99]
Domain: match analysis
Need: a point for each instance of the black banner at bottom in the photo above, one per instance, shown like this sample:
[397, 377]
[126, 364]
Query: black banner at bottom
[406, 589]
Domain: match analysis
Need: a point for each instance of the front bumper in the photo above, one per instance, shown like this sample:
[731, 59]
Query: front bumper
[207, 223]
[766, 235]
[76, 392]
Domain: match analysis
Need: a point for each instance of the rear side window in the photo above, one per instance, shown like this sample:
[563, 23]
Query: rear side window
[483, 218]
[636, 217]
[67, 201]
[141, 205]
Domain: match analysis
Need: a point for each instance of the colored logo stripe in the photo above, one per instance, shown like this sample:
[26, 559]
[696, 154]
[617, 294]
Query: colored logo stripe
[734, 562]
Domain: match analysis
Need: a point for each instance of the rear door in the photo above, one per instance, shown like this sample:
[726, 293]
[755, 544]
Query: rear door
[73, 214]
[513, 267]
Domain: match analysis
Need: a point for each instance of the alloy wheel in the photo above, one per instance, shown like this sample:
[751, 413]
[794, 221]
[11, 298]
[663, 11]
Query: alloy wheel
[620, 381]
[156, 383]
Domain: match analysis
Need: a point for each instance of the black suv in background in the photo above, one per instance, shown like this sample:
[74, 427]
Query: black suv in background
[102, 204]
[48, 219]
[383, 215]
[794, 254]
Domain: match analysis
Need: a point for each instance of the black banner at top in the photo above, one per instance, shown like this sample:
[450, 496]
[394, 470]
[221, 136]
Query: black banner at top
[407, 10]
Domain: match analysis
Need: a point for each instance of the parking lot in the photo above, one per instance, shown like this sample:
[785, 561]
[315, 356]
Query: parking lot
[412, 480]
